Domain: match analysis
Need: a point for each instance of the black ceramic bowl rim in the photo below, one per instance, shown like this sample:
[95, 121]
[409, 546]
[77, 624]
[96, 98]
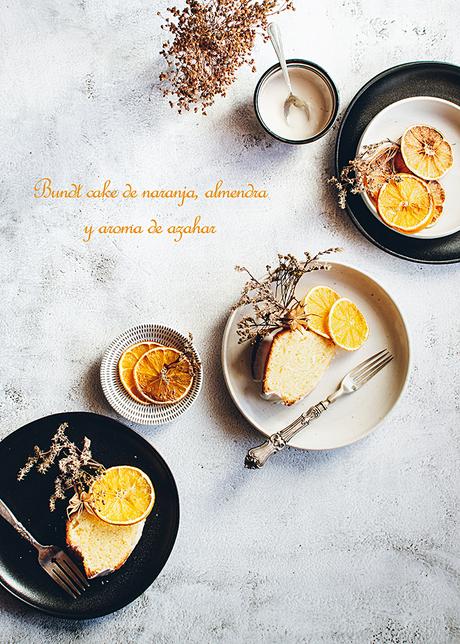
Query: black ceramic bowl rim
[301, 62]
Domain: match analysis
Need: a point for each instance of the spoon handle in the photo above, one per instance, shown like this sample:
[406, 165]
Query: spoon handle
[275, 39]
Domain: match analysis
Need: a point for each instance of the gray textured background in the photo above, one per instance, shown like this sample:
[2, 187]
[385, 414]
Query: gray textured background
[358, 545]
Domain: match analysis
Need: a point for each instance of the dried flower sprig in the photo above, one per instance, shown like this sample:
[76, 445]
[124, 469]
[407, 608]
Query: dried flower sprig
[77, 468]
[209, 40]
[367, 171]
[273, 299]
[189, 352]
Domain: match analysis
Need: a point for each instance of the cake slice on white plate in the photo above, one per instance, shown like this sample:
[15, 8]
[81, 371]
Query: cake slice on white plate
[102, 547]
[295, 364]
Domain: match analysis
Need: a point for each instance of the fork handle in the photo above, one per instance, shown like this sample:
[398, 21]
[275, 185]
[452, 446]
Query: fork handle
[258, 456]
[6, 513]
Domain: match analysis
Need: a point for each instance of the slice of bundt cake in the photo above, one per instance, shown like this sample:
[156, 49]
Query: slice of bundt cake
[295, 364]
[102, 547]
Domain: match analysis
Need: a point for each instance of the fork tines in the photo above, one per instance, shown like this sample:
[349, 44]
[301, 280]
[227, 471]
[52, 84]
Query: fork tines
[370, 367]
[67, 575]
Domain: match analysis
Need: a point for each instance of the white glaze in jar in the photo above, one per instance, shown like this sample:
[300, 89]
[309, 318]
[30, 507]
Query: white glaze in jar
[308, 85]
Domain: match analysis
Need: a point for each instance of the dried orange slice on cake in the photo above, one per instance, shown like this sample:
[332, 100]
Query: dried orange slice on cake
[317, 303]
[348, 328]
[163, 375]
[426, 152]
[122, 495]
[126, 366]
[405, 203]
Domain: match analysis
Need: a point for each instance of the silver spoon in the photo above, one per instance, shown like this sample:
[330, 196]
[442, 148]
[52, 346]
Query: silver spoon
[292, 100]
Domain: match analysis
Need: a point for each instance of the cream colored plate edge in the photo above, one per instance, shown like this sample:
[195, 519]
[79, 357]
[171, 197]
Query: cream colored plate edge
[392, 121]
[353, 417]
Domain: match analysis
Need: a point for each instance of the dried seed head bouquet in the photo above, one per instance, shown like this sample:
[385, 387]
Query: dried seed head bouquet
[208, 41]
[273, 299]
[77, 469]
[368, 171]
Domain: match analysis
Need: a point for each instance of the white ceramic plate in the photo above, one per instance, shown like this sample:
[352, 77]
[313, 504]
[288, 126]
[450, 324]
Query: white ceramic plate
[116, 394]
[353, 416]
[391, 123]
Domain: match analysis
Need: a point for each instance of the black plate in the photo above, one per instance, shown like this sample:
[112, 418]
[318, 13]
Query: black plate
[112, 444]
[441, 80]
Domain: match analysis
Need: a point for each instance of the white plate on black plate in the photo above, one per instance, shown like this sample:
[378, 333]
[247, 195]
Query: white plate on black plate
[434, 79]
[444, 116]
[112, 444]
[354, 416]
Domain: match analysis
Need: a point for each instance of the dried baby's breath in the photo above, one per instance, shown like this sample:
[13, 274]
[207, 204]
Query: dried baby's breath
[209, 40]
[367, 171]
[76, 467]
[273, 300]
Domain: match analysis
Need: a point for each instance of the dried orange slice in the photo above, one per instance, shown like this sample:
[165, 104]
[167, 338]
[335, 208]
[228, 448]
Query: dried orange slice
[122, 495]
[426, 152]
[405, 203]
[317, 304]
[126, 366]
[163, 375]
[439, 196]
[347, 325]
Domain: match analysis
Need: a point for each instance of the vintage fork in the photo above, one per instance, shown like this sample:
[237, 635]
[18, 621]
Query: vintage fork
[356, 378]
[52, 559]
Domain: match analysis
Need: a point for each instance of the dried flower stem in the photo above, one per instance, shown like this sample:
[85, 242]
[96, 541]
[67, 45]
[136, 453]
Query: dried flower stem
[209, 41]
[367, 172]
[77, 468]
[273, 299]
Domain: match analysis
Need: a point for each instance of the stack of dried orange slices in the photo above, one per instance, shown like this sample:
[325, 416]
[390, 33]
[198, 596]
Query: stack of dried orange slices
[335, 317]
[153, 374]
[412, 198]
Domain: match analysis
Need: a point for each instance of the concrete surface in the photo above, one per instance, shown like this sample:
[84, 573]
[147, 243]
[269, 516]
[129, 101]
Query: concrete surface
[358, 545]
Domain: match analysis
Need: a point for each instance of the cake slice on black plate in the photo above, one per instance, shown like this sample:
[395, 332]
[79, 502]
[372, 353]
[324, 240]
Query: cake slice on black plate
[102, 547]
